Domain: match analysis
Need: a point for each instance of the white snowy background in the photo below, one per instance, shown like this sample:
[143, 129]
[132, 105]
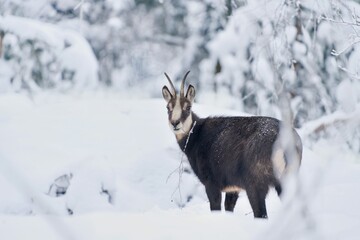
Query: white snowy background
[85, 149]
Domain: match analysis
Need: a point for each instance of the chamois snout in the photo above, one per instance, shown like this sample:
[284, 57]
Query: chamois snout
[175, 124]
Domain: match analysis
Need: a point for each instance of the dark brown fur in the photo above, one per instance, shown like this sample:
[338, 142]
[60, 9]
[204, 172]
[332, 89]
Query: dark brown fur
[235, 151]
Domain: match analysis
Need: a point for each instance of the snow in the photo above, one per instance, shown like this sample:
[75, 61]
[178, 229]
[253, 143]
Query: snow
[337, 116]
[118, 155]
[346, 96]
[104, 165]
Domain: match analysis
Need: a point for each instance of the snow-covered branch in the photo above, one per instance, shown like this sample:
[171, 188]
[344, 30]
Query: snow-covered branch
[340, 21]
[167, 39]
[324, 122]
[345, 49]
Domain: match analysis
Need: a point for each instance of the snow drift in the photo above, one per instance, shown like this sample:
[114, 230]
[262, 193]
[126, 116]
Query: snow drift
[108, 161]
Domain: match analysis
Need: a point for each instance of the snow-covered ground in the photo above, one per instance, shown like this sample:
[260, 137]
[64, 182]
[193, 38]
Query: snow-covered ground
[114, 158]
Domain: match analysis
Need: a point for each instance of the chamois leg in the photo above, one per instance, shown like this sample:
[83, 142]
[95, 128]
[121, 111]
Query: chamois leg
[257, 202]
[278, 189]
[230, 201]
[214, 196]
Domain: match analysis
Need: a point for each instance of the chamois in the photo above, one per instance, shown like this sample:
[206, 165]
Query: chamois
[229, 154]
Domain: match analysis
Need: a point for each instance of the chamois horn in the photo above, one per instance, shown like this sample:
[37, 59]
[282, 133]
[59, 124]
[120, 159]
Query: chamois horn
[171, 84]
[182, 85]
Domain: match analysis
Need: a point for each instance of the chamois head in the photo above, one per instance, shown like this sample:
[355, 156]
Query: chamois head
[179, 107]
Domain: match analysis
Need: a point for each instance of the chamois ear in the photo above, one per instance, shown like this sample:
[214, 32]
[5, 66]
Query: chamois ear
[190, 94]
[166, 94]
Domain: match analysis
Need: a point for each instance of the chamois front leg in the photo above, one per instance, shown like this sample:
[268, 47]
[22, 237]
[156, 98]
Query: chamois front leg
[230, 201]
[214, 196]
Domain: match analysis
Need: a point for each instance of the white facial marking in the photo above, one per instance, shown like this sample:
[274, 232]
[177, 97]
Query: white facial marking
[183, 128]
[176, 114]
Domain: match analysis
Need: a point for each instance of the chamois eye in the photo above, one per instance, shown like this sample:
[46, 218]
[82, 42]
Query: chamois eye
[188, 108]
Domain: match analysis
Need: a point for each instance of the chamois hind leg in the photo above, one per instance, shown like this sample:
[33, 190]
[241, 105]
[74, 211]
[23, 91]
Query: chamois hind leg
[257, 201]
[230, 201]
[214, 196]
[278, 189]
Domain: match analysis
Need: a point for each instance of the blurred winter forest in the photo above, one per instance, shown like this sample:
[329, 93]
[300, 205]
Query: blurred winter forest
[242, 54]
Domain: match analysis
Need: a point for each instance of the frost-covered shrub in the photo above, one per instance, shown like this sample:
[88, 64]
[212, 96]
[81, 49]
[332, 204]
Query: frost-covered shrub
[38, 56]
[310, 51]
[267, 47]
[31, 63]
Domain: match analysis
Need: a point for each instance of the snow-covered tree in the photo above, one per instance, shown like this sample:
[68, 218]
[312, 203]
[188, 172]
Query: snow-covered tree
[37, 56]
[291, 45]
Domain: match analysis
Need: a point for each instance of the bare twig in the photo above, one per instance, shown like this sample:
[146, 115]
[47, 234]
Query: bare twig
[296, 198]
[340, 22]
[345, 49]
[350, 74]
[180, 168]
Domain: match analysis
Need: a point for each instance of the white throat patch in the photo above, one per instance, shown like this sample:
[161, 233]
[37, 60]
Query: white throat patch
[185, 128]
[185, 124]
